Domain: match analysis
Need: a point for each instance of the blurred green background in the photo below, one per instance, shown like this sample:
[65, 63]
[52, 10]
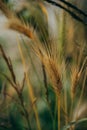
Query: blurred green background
[70, 36]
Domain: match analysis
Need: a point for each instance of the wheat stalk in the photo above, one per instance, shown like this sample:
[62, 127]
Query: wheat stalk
[48, 54]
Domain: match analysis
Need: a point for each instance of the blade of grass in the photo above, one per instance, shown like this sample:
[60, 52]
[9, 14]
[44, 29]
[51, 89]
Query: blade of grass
[82, 91]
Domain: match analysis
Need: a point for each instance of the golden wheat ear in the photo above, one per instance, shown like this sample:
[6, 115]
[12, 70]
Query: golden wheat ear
[47, 54]
[17, 25]
[14, 23]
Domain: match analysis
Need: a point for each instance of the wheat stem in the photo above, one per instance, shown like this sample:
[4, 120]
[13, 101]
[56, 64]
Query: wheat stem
[71, 108]
[65, 104]
[31, 93]
[58, 111]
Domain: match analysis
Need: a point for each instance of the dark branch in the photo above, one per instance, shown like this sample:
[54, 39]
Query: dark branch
[74, 15]
[79, 11]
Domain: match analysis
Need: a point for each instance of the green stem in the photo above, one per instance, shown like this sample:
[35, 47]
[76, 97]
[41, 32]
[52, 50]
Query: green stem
[55, 112]
[59, 112]
[65, 103]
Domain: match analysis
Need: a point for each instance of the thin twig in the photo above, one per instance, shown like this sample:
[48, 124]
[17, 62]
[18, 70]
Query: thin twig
[9, 63]
[7, 94]
[9, 80]
[23, 82]
[45, 82]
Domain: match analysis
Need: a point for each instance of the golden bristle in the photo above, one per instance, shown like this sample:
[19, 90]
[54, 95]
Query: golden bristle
[77, 71]
[75, 79]
[43, 9]
[15, 24]
[54, 75]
